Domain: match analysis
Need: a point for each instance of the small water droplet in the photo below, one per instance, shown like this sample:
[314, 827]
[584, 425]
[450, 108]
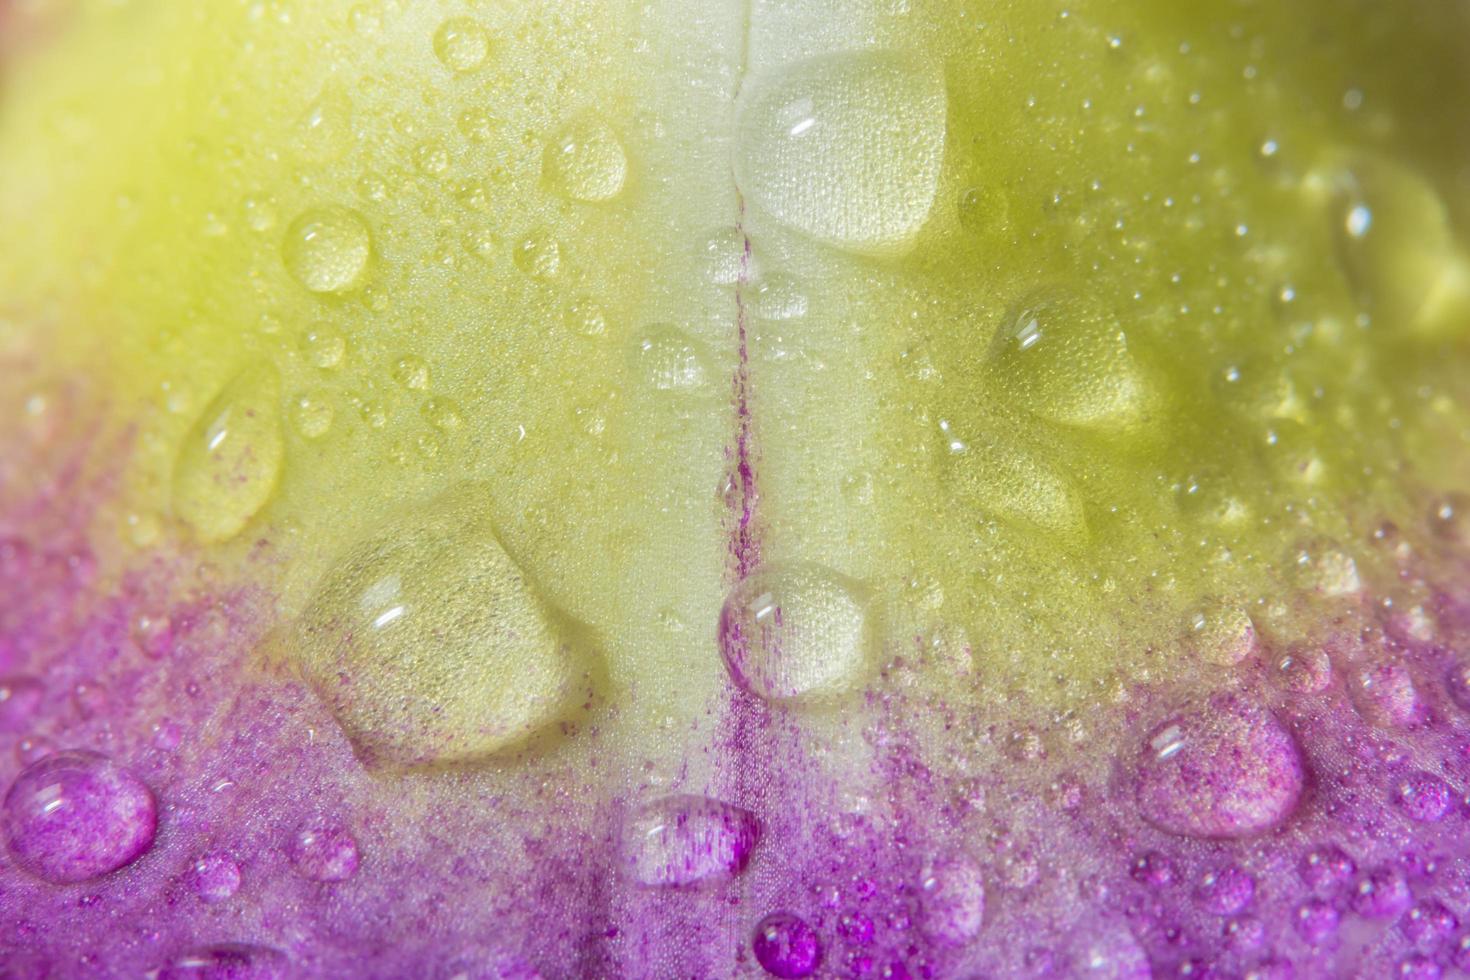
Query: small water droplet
[327, 249]
[1227, 891]
[324, 346]
[461, 44]
[1224, 770]
[72, 816]
[538, 255]
[682, 840]
[952, 899]
[228, 961]
[585, 161]
[586, 316]
[1385, 695]
[724, 254]
[1381, 894]
[1423, 797]
[20, 700]
[795, 631]
[230, 462]
[412, 372]
[1221, 634]
[324, 854]
[668, 360]
[786, 946]
[442, 413]
[778, 297]
[1315, 920]
[215, 877]
[312, 414]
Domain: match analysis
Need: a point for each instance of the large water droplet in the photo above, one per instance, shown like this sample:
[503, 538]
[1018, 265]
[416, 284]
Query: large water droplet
[795, 631]
[585, 161]
[461, 44]
[786, 946]
[1066, 360]
[1225, 770]
[431, 644]
[846, 148]
[231, 459]
[682, 840]
[227, 961]
[327, 249]
[77, 815]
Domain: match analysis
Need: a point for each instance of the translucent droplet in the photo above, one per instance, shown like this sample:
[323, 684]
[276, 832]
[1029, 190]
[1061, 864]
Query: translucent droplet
[228, 961]
[323, 853]
[682, 840]
[1226, 770]
[412, 372]
[260, 213]
[1316, 920]
[786, 946]
[1382, 894]
[795, 631]
[585, 161]
[215, 877]
[1227, 891]
[997, 475]
[1112, 954]
[73, 816]
[231, 459]
[1327, 869]
[312, 414]
[846, 148]
[778, 297]
[1064, 359]
[668, 360]
[725, 258]
[430, 644]
[538, 255]
[324, 347]
[1423, 797]
[1386, 696]
[461, 44]
[443, 414]
[324, 131]
[952, 900]
[984, 210]
[587, 317]
[327, 249]
[1221, 634]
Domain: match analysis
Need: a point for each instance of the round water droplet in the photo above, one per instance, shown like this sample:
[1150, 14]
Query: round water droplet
[1327, 869]
[77, 815]
[442, 413]
[777, 297]
[585, 161]
[1067, 360]
[538, 255]
[785, 946]
[312, 414]
[682, 840]
[846, 148]
[1429, 925]
[1221, 634]
[1155, 870]
[215, 877]
[1224, 770]
[412, 372]
[795, 631]
[228, 961]
[668, 360]
[20, 700]
[1227, 891]
[1457, 682]
[327, 249]
[586, 316]
[952, 900]
[461, 44]
[1385, 696]
[1305, 670]
[1111, 955]
[1423, 797]
[430, 644]
[725, 256]
[324, 346]
[323, 853]
[230, 462]
[1382, 894]
[1315, 920]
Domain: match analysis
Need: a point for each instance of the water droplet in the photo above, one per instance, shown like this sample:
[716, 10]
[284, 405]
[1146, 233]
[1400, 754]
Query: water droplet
[952, 900]
[215, 877]
[1382, 894]
[324, 347]
[1327, 869]
[412, 372]
[725, 257]
[231, 459]
[587, 317]
[327, 249]
[227, 961]
[431, 158]
[1111, 955]
[585, 161]
[20, 699]
[1423, 797]
[538, 255]
[668, 360]
[1315, 920]
[1223, 771]
[1385, 696]
[1227, 891]
[682, 840]
[1457, 681]
[795, 631]
[846, 148]
[1417, 966]
[260, 213]
[1065, 359]
[1154, 869]
[1429, 925]
[323, 853]
[785, 946]
[1330, 573]
[1221, 634]
[1305, 670]
[430, 644]
[461, 44]
[994, 473]
[77, 815]
[442, 413]
[312, 414]
[778, 297]
[984, 210]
